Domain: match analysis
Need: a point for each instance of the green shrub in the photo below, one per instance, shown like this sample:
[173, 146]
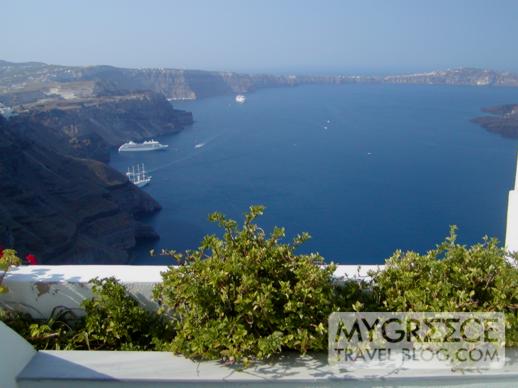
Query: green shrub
[247, 295]
[8, 259]
[114, 320]
[59, 332]
[452, 277]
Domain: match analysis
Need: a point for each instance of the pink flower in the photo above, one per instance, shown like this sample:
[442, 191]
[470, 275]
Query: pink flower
[31, 259]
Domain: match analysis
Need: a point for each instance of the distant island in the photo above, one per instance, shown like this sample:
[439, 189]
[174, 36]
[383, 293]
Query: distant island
[503, 120]
[58, 197]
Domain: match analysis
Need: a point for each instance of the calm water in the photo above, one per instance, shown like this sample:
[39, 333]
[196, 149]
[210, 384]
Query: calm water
[394, 168]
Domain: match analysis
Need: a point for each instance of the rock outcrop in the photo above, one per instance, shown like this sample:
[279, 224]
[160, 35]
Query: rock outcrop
[55, 201]
[89, 127]
[503, 121]
[66, 209]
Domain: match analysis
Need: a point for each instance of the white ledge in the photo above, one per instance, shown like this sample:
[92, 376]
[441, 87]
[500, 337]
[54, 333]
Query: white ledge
[38, 289]
[127, 273]
[150, 369]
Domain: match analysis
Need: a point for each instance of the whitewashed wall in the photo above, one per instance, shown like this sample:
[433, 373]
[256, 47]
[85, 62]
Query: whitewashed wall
[38, 289]
[511, 233]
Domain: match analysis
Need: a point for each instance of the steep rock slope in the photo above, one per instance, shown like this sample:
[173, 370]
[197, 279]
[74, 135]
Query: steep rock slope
[66, 209]
[89, 127]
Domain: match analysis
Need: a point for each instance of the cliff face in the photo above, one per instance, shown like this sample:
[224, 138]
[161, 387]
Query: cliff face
[503, 121]
[462, 76]
[64, 209]
[55, 201]
[22, 83]
[89, 127]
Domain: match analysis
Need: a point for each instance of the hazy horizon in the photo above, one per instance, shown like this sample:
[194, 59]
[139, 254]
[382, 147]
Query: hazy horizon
[329, 71]
[328, 37]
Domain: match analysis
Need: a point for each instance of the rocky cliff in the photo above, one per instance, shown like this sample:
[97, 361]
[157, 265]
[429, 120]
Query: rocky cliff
[26, 82]
[55, 201]
[462, 76]
[88, 127]
[65, 209]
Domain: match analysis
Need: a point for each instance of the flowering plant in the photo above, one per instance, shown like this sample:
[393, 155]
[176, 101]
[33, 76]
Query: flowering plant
[8, 259]
[31, 259]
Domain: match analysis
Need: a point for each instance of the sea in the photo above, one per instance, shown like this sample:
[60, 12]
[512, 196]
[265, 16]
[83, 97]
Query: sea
[364, 169]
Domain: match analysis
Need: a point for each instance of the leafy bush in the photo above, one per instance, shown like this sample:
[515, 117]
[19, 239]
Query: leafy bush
[59, 332]
[8, 259]
[114, 320]
[452, 277]
[247, 295]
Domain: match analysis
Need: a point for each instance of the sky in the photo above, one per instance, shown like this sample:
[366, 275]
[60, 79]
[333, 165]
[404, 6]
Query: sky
[284, 36]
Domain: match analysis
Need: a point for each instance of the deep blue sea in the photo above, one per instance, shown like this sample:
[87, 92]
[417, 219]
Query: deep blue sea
[365, 169]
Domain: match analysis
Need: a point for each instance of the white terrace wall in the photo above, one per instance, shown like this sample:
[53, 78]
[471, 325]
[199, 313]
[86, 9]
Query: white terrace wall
[511, 233]
[39, 289]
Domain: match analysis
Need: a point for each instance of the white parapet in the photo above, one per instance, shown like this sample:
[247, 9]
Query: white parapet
[38, 289]
[511, 233]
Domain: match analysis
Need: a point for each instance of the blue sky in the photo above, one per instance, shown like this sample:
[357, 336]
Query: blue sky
[325, 36]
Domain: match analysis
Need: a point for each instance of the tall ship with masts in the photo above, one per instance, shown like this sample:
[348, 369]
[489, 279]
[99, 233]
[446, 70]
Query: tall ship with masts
[138, 176]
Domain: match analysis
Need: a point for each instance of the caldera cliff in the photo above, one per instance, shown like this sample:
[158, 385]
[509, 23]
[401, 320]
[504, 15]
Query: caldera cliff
[58, 198]
[65, 209]
[90, 127]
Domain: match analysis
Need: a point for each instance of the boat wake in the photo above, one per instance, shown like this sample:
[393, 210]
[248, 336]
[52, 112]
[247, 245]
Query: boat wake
[191, 155]
[173, 162]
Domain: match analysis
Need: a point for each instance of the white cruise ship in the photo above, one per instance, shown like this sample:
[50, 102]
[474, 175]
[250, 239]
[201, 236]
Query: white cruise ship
[138, 176]
[240, 98]
[151, 145]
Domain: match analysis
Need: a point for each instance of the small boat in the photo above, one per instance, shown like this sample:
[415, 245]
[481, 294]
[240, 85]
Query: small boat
[240, 98]
[151, 145]
[138, 175]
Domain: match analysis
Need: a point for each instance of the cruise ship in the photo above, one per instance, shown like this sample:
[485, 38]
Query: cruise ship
[240, 98]
[151, 145]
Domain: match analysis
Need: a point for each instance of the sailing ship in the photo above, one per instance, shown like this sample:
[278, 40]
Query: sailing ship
[138, 175]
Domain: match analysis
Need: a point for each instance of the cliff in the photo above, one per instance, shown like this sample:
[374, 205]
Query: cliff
[461, 76]
[503, 121]
[88, 127]
[22, 83]
[55, 201]
[65, 209]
